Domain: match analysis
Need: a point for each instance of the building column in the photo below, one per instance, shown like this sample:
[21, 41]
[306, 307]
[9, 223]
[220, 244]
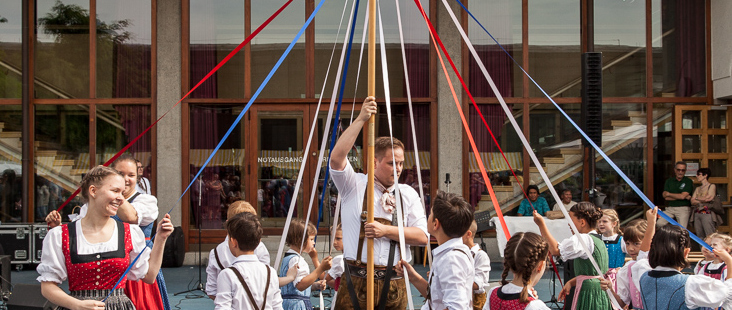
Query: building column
[168, 93]
[450, 128]
[721, 49]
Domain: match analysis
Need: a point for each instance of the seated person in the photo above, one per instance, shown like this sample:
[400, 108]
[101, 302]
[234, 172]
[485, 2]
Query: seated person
[539, 203]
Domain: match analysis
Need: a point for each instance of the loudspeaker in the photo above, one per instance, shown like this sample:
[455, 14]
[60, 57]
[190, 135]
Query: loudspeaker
[28, 297]
[5, 272]
[175, 249]
[592, 97]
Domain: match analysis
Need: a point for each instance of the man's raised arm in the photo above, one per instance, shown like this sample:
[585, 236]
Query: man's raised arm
[338, 158]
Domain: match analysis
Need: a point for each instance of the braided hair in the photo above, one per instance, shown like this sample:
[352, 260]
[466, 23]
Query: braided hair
[95, 176]
[524, 251]
[587, 211]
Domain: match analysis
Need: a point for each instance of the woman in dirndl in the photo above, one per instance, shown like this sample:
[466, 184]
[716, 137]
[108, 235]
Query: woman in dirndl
[94, 252]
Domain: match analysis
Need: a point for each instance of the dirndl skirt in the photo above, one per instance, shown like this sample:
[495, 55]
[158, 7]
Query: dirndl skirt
[117, 301]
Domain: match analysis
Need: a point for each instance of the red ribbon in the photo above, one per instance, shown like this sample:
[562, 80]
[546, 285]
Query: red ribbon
[210, 73]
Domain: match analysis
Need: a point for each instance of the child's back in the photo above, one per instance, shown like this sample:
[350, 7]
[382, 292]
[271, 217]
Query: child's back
[258, 285]
[451, 281]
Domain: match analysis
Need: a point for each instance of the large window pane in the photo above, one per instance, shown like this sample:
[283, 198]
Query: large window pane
[679, 54]
[217, 27]
[620, 34]
[499, 171]
[554, 47]
[10, 49]
[11, 155]
[61, 151]
[117, 125]
[663, 147]
[124, 36]
[221, 181]
[503, 19]
[270, 44]
[62, 49]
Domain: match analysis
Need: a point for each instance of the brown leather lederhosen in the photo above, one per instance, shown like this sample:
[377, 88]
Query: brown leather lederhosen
[248, 291]
[479, 299]
[389, 273]
[428, 298]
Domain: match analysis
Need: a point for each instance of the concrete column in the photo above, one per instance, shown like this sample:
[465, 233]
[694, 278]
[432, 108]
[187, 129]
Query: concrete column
[450, 128]
[169, 91]
[721, 49]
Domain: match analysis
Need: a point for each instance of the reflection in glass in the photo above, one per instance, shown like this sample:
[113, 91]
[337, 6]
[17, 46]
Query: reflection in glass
[717, 119]
[679, 54]
[278, 164]
[61, 151]
[117, 125]
[10, 49]
[217, 27]
[554, 39]
[503, 19]
[691, 120]
[11, 178]
[718, 168]
[620, 35]
[123, 49]
[691, 144]
[221, 181]
[717, 143]
[62, 49]
[270, 44]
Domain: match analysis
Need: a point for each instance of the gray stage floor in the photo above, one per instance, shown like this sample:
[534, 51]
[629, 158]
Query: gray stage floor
[186, 277]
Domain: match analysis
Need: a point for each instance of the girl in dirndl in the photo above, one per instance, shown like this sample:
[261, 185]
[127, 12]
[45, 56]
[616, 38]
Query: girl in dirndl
[94, 252]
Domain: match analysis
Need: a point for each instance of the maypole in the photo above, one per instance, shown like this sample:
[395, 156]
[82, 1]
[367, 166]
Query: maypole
[370, 157]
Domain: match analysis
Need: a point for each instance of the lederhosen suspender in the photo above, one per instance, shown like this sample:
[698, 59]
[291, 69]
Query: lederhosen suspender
[218, 261]
[389, 262]
[428, 298]
[249, 292]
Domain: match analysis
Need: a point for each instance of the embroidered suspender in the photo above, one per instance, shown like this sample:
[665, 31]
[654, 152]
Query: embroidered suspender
[218, 261]
[249, 292]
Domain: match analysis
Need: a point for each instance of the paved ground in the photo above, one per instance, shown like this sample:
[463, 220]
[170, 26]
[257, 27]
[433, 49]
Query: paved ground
[186, 277]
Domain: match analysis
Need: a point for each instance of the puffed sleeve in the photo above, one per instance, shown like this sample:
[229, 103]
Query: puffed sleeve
[571, 248]
[139, 269]
[703, 291]
[337, 267]
[53, 264]
[623, 284]
[147, 209]
[302, 271]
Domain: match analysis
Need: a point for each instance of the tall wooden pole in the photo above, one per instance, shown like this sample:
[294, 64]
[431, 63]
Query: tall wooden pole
[370, 157]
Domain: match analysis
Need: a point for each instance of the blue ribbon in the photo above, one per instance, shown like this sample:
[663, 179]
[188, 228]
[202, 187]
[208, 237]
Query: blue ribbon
[338, 115]
[597, 148]
[238, 119]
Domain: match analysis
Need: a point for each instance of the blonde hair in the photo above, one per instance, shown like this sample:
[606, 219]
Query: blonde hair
[240, 206]
[95, 177]
[726, 240]
[613, 215]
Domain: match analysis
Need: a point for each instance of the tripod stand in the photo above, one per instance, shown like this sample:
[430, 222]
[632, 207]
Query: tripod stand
[553, 302]
[199, 287]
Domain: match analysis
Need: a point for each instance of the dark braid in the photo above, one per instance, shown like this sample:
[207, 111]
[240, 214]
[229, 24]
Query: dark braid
[523, 253]
[95, 176]
[587, 211]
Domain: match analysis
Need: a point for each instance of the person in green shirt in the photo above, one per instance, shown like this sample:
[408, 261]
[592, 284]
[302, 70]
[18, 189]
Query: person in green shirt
[677, 192]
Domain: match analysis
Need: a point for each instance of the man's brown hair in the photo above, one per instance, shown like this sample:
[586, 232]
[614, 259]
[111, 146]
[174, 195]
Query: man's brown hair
[453, 212]
[246, 229]
[296, 232]
[381, 144]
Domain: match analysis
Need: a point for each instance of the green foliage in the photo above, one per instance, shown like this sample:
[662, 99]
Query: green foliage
[72, 19]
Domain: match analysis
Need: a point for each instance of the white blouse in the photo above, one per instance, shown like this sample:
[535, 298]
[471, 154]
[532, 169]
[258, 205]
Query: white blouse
[303, 267]
[53, 266]
[336, 270]
[571, 248]
[622, 280]
[511, 288]
[145, 205]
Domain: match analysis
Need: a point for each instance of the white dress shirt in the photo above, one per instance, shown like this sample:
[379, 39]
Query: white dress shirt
[231, 294]
[452, 275]
[511, 288]
[482, 265]
[226, 258]
[145, 205]
[352, 186]
[701, 291]
[53, 263]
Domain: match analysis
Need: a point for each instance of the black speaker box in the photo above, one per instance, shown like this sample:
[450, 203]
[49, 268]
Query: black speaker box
[5, 272]
[28, 297]
[175, 249]
[591, 121]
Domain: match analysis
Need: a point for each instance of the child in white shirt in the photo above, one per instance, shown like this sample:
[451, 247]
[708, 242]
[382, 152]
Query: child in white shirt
[482, 265]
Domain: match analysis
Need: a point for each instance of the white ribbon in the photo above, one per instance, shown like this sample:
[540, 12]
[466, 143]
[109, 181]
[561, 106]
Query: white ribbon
[528, 148]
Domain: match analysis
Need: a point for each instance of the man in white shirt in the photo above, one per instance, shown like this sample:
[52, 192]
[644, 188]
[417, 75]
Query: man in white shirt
[566, 200]
[352, 187]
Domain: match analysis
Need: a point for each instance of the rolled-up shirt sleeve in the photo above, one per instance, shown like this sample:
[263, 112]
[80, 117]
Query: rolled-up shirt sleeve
[703, 291]
[53, 264]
